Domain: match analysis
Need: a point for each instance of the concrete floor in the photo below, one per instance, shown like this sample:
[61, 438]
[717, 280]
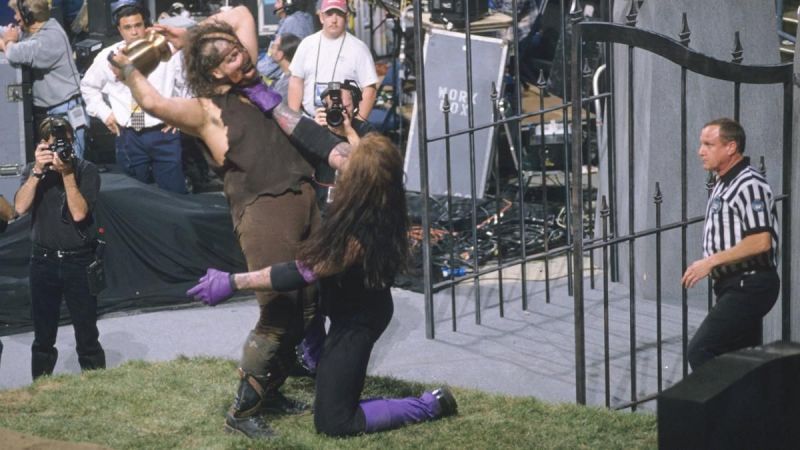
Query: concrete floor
[524, 353]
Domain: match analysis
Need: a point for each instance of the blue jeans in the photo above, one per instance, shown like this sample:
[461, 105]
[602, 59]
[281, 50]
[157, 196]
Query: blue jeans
[149, 155]
[80, 134]
[51, 280]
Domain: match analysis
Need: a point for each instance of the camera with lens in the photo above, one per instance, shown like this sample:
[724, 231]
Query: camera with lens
[62, 145]
[334, 110]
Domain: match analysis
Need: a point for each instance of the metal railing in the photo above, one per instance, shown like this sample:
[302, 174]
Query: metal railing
[535, 235]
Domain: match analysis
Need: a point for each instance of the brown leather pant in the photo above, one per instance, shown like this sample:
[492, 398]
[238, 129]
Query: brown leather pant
[269, 232]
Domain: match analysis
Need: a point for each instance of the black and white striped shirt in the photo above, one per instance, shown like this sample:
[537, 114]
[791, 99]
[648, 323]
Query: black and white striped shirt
[741, 204]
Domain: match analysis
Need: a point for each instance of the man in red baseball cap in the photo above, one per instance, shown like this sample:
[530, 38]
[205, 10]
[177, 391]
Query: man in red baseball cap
[331, 55]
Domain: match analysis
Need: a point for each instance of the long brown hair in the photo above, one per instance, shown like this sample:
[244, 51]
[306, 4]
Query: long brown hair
[367, 223]
[201, 56]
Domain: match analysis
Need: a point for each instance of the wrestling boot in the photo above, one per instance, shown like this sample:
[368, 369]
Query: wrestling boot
[386, 414]
[244, 416]
[274, 402]
[43, 363]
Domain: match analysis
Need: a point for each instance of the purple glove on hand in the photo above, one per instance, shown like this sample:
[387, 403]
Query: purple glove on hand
[262, 96]
[214, 288]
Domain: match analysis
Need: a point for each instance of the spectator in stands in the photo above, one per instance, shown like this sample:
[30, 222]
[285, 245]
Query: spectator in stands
[40, 44]
[60, 195]
[294, 20]
[282, 52]
[147, 149]
[331, 54]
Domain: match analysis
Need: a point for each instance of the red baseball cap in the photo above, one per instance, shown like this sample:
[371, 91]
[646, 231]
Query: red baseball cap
[341, 5]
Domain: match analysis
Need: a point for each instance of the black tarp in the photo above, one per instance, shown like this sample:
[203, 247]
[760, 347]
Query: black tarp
[158, 244]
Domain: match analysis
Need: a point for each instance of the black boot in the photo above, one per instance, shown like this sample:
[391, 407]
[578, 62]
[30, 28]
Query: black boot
[276, 403]
[244, 415]
[93, 362]
[43, 363]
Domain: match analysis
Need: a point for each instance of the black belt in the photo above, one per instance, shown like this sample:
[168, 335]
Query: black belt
[44, 109]
[740, 273]
[44, 252]
[158, 127]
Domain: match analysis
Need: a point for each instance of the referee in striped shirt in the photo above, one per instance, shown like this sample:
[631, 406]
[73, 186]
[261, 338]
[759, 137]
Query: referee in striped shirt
[740, 246]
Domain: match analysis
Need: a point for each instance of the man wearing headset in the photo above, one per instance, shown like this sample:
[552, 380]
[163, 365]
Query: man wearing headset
[147, 149]
[39, 43]
[59, 191]
[294, 20]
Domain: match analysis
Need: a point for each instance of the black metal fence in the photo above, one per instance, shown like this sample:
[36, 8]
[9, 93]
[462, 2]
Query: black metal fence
[521, 234]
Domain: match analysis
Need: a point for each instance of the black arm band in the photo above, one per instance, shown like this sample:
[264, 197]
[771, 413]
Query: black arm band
[314, 140]
[286, 277]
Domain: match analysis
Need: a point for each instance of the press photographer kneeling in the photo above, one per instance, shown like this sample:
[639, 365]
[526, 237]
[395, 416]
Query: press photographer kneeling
[339, 114]
[59, 190]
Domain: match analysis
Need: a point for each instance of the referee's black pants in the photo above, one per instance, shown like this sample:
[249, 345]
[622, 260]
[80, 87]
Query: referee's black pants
[735, 321]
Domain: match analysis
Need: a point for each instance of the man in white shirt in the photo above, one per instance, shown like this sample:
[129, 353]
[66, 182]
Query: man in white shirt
[147, 149]
[331, 54]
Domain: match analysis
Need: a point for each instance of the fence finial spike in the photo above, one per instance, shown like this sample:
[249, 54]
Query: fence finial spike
[604, 209]
[446, 104]
[658, 198]
[738, 51]
[587, 68]
[493, 94]
[686, 33]
[633, 13]
[541, 82]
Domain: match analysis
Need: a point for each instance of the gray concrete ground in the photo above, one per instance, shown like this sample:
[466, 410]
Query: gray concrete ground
[525, 353]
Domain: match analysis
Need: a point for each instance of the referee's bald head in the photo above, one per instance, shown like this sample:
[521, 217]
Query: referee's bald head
[730, 130]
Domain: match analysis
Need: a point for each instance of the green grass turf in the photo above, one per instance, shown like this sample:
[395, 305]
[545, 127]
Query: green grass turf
[181, 404]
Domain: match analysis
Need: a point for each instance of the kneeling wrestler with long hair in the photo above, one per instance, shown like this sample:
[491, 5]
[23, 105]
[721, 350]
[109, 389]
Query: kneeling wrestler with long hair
[354, 257]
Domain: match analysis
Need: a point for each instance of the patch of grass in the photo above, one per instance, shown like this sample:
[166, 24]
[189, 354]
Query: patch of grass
[181, 404]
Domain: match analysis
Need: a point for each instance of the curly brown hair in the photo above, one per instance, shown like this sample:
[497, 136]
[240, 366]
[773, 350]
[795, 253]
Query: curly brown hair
[201, 56]
[367, 223]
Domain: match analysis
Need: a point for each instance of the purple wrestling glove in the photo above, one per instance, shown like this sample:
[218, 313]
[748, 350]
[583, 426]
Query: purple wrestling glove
[265, 98]
[214, 288]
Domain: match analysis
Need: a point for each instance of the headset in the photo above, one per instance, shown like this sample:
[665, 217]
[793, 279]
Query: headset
[118, 6]
[355, 92]
[25, 13]
[288, 7]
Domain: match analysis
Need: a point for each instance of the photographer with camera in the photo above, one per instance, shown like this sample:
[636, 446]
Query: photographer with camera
[339, 116]
[59, 190]
[41, 45]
